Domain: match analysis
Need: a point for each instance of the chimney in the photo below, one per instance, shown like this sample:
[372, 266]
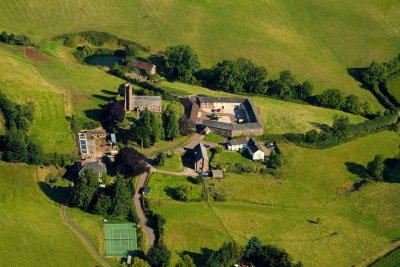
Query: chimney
[128, 96]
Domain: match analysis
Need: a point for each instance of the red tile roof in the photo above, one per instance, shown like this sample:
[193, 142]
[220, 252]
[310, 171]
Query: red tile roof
[142, 65]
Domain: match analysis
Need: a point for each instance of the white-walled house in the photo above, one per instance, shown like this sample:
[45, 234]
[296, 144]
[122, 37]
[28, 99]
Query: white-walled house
[237, 144]
[255, 150]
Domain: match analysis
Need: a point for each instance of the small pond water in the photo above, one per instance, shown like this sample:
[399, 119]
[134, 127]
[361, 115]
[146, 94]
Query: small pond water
[103, 60]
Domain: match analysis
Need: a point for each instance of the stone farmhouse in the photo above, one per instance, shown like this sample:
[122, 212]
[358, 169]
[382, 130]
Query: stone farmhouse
[138, 65]
[141, 102]
[200, 158]
[96, 165]
[234, 116]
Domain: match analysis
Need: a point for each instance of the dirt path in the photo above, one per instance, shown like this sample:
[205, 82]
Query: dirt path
[82, 236]
[139, 210]
[186, 171]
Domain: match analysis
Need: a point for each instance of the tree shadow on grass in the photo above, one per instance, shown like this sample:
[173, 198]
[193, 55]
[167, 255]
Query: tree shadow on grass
[357, 169]
[171, 192]
[198, 258]
[94, 114]
[109, 92]
[321, 126]
[103, 97]
[58, 194]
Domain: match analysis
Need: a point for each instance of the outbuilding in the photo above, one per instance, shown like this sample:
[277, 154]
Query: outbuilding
[217, 174]
[237, 144]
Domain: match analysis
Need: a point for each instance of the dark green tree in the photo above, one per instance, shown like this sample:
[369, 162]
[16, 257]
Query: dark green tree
[185, 192]
[229, 254]
[340, 126]
[103, 204]
[122, 197]
[238, 75]
[185, 261]
[84, 190]
[181, 63]
[171, 123]
[375, 73]
[304, 90]
[353, 105]
[253, 251]
[285, 86]
[158, 255]
[376, 167]
[4, 38]
[331, 98]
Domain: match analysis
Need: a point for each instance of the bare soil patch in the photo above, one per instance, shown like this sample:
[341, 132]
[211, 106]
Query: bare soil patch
[33, 54]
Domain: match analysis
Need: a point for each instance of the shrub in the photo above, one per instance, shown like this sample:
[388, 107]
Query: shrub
[185, 192]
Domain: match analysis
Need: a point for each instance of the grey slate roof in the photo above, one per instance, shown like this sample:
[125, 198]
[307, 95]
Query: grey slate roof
[238, 141]
[97, 167]
[146, 100]
[200, 152]
[254, 146]
[207, 99]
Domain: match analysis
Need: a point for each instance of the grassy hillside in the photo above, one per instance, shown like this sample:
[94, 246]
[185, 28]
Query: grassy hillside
[317, 40]
[312, 184]
[394, 88]
[32, 230]
[22, 84]
[278, 116]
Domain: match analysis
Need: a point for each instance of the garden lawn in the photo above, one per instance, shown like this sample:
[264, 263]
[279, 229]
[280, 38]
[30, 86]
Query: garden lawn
[164, 186]
[277, 116]
[33, 232]
[172, 163]
[215, 138]
[23, 84]
[317, 40]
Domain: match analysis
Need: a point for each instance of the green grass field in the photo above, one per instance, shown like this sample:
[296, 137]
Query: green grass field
[390, 260]
[215, 138]
[394, 88]
[33, 232]
[318, 41]
[22, 84]
[172, 163]
[164, 185]
[278, 116]
[354, 225]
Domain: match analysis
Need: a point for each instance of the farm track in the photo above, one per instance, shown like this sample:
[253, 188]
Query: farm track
[82, 236]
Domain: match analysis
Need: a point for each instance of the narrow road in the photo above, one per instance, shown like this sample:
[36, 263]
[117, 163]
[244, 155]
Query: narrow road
[139, 210]
[82, 236]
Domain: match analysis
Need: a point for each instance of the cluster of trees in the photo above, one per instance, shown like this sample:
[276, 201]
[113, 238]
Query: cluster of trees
[383, 169]
[16, 145]
[376, 77]
[253, 254]
[115, 200]
[243, 76]
[342, 131]
[20, 40]
[100, 38]
[79, 123]
[151, 127]
[113, 113]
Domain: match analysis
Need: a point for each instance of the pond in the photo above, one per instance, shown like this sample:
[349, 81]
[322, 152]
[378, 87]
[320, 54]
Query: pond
[103, 60]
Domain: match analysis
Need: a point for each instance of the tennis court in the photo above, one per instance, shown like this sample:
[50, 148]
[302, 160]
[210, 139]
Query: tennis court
[120, 239]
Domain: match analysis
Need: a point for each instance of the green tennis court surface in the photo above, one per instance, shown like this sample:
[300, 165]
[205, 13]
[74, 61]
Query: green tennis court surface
[120, 239]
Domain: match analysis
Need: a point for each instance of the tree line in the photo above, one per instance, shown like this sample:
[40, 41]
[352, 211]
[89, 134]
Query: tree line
[16, 145]
[242, 76]
[342, 131]
[376, 76]
[20, 40]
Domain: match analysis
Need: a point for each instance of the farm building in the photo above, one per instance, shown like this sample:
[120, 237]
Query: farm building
[256, 151]
[226, 116]
[96, 165]
[217, 174]
[138, 65]
[237, 144]
[141, 102]
[200, 157]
